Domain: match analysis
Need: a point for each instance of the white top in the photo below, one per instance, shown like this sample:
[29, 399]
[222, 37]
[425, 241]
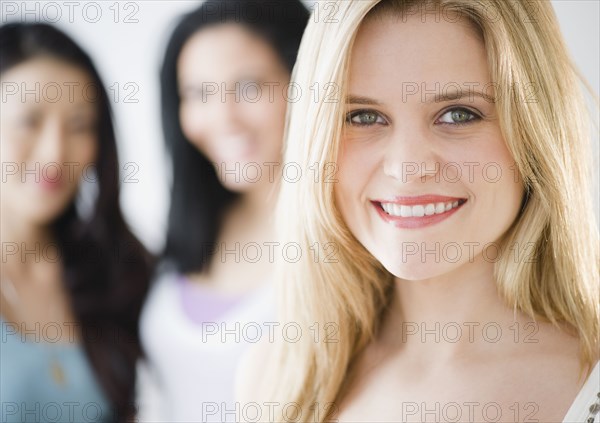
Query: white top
[191, 371]
[191, 366]
[586, 407]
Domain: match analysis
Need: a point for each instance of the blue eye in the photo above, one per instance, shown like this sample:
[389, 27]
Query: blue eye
[458, 116]
[364, 118]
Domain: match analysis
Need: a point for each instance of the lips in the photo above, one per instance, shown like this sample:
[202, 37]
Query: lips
[50, 185]
[418, 211]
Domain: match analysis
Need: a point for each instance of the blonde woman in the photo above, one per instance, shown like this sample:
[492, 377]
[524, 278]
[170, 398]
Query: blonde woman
[465, 280]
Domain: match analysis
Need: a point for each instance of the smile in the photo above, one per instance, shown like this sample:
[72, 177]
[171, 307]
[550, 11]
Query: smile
[417, 212]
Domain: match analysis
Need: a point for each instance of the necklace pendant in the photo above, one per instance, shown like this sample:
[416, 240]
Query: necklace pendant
[58, 374]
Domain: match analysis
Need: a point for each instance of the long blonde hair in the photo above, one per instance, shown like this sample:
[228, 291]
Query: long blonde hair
[548, 138]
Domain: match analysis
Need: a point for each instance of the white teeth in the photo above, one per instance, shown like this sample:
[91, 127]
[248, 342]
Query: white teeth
[418, 210]
[405, 211]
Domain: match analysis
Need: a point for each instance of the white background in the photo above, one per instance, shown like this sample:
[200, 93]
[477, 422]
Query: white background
[131, 52]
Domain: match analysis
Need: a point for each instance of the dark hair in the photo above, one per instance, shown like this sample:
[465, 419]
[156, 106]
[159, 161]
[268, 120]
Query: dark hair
[106, 269]
[198, 199]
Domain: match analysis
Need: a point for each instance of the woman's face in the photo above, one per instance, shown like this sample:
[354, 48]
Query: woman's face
[231, 84]
[425, 178]
[48, 135]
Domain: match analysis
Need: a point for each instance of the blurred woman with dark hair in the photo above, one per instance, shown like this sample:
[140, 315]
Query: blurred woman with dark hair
[224, 79]
[73, 275]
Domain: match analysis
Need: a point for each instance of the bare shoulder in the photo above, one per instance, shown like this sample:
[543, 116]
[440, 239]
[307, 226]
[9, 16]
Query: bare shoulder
[249, 381]
[552, 344]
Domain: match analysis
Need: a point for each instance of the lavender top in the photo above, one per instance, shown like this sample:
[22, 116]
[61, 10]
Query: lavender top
[202, 304]
[194, 338]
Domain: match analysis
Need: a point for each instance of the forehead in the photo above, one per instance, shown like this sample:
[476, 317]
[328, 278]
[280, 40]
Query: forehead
[50, 82]
[390, 52]
[223, 50]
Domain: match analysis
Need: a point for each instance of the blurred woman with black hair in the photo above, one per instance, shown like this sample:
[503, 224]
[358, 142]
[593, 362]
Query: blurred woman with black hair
[224, 82]
[73, 275]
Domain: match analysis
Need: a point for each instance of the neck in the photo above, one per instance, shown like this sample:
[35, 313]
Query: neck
[448, 312]
[464, 294]
[257, 205]
[23, 242]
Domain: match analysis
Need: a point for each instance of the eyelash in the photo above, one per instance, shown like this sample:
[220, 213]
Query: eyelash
[353, 114]
[474, 117]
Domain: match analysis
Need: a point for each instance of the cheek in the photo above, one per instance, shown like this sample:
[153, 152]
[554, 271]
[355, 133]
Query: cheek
[12, 146]
[346, 180]
[498, 191]
[15, 154]
[353, 172]
[266, 119]
[506, 189]
[500, 173]
[192, 125]
[84, 150]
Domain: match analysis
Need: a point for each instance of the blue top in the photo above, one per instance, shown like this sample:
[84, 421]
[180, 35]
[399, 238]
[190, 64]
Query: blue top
[46, 381]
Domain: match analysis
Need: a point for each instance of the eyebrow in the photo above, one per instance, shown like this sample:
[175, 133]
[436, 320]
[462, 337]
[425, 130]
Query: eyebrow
[448, 95]
[355, 99]
[458, 94]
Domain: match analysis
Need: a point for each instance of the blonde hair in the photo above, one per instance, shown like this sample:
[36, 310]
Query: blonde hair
[549, 140]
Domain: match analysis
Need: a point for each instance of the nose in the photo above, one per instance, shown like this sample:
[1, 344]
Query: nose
[409, 155]
[51, 146]
[226, 109]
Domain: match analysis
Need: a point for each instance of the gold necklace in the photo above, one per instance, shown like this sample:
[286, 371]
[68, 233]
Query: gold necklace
[11, 295]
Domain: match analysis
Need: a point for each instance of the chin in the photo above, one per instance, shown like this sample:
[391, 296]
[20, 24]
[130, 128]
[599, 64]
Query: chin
[45, 214]
[241, 187]
[43, 217]
[414, 269]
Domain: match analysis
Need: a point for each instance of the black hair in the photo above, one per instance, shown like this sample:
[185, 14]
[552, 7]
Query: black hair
[106, 269]
[198, 199]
